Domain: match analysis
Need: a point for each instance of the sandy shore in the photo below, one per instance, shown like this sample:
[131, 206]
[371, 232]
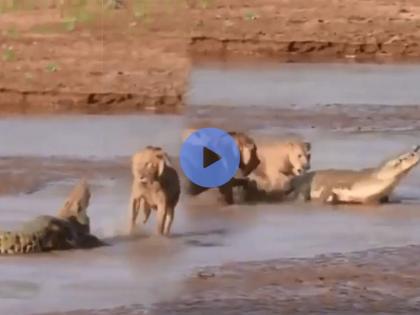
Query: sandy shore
[91, 60]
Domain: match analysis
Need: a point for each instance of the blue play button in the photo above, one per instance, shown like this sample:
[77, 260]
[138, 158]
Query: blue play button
[209, 157]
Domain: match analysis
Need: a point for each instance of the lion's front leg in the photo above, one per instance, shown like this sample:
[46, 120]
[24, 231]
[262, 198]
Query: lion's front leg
[133, 212]
[145, 209]
[161, 217]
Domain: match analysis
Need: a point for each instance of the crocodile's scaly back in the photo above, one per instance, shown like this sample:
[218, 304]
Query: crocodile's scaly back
[69, 229]
[41, 234]
[19, 243]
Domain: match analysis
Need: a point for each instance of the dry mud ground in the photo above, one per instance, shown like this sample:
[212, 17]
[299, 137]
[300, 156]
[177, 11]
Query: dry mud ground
[138, 58]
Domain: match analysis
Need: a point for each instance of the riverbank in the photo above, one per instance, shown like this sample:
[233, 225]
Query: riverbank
[91, 60]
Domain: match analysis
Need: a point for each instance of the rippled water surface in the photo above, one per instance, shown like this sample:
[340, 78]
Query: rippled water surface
[145, 269]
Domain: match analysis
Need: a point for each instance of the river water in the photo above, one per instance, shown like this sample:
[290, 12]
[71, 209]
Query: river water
[55, 151]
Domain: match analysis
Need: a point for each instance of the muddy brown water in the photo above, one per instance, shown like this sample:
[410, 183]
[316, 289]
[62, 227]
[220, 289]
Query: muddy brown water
[145, 269]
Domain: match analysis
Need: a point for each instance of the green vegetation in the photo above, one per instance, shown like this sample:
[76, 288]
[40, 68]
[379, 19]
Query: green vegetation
[205, 3]
[250, 16]
[70, 24]
[19, 5]
[141, 8]
[11, 32]
[78, 12]
[83, 12]
[52, 67]
[8, 54]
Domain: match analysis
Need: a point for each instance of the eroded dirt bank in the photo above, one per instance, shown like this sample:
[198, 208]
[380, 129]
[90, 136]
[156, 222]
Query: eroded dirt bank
[92, 60]
[382, 281]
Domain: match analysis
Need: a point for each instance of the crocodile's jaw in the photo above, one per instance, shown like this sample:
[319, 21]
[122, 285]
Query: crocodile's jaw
[365, 191]
[360, 192]
[398, 168]
[395, 175]
[370, 189]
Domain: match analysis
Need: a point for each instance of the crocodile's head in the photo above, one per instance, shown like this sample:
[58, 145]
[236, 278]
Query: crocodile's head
[75, 206]
[399, 166]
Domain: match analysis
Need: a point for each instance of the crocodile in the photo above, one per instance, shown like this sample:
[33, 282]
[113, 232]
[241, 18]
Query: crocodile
[365, 186]
[69, 229]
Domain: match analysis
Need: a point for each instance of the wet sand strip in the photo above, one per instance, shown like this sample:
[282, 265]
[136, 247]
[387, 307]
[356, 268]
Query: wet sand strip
[28, 175]
[327, 117]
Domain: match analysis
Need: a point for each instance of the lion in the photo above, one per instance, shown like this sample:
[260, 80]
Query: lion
[155, 186]
[248, 162]
[281, 160]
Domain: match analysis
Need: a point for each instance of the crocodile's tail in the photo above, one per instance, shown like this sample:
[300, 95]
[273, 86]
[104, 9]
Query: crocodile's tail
[13, 243]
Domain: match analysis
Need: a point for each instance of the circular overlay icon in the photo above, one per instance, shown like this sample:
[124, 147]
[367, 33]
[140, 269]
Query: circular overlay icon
[209, 157]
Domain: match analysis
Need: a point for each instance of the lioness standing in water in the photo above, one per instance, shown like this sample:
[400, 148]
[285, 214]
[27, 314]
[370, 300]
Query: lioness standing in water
[155, 186]
[281, 160]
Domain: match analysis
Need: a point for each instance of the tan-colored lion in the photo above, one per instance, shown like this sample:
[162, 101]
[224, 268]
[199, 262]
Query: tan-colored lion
[155, 186]
[281, 160]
